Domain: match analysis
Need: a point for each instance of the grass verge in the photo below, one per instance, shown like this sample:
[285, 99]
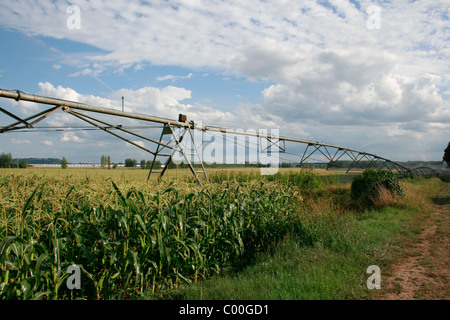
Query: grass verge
[329, 260]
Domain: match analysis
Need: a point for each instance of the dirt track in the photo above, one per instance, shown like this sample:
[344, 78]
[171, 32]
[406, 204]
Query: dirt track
[423, 271]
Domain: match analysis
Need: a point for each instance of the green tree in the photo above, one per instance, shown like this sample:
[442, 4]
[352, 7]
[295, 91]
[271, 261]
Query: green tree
[157, 164]
[23, 163]
[171, 165]
[143, 164]
[103, 161]
[64, 163]
[6, 160]
[446, 157]
[109, 162]
[130, 162]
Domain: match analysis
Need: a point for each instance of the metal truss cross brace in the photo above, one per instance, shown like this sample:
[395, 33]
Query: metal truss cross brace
[42, 115]
[274, 143]
[178, 147]
[85, 118]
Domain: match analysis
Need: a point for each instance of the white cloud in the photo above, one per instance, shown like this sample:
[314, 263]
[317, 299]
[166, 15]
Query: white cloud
[206, 32]
[70, 137]
[85, 72]
[48, 89]
[330, 73]
[24, 141]
[173, 78]
[226, 35]
[164, 102]
[342, 93]
[47, 142]
[139, 143]
[139, 66]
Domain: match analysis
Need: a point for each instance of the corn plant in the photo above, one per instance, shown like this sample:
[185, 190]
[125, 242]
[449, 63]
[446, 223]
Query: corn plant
[131, 240]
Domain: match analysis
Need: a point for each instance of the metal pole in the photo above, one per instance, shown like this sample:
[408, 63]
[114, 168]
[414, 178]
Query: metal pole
[16, 117]
[105, 129]
[18, 95]
[2, 129]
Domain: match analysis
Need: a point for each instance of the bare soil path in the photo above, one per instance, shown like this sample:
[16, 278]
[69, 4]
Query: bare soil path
[423, 273]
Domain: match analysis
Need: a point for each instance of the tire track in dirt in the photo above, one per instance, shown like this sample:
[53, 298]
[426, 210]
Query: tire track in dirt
[423, 271]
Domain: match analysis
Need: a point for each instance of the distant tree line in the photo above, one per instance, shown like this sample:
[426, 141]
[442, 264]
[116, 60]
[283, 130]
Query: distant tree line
[148, 164]
[144, 164]
[6, 161]
[130, 163]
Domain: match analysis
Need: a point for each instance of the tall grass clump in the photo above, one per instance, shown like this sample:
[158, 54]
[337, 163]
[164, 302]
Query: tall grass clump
[376, 188]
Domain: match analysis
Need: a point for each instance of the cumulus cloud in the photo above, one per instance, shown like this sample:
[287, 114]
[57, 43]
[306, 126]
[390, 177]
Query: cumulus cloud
[328, 71]
[353, 89]
[70, 137]
[241, 36]
[206, 33]
[173, 78]
[65, 93]
[139, 143]
[162, 102]
[47, 142]
[20, 141]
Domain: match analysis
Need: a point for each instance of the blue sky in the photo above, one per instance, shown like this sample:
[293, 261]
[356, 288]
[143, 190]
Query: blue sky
[314, 70]
[55, 60]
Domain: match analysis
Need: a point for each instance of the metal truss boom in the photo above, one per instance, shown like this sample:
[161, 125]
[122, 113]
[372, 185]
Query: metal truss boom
[72, 108]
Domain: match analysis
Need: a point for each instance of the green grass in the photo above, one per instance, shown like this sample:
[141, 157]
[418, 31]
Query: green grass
[296, 235]
[294, 272]
[129, 237]
[331, 266]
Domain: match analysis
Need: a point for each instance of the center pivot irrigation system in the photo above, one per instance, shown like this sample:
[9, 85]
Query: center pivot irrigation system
[177, 131]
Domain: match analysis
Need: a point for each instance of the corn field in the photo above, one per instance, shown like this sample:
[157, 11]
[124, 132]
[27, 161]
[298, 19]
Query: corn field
[128, 240]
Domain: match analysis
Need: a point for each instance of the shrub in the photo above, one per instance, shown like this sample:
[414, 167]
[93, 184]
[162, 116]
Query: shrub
[376, 187]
